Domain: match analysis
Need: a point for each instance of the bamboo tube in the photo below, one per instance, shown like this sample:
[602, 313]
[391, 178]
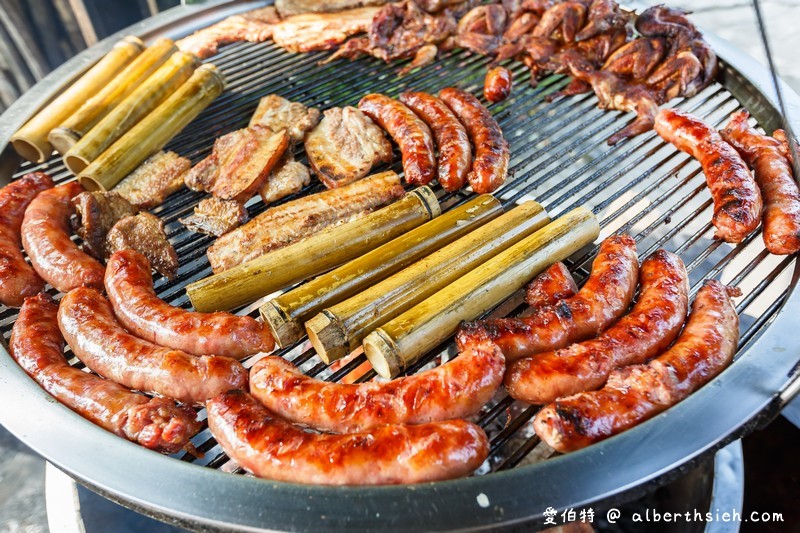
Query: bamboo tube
[154, 131]
[400, 342]
[339, 329]
[319, 253]
[98, 106]
[147, 97]
[286, 313]
[31, 142]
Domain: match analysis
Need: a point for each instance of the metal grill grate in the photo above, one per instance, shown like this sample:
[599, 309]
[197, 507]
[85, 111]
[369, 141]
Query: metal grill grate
[559, 157]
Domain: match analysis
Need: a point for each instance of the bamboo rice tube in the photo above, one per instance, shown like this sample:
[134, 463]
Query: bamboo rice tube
[319, 253]
[400, 342]
[286, 313]
[147, 97]
[98, 106]
[154, 131]
[31, 142]
[339, 329]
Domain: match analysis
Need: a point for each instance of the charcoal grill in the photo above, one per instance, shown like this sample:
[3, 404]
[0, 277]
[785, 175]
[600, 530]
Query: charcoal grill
[559, 157]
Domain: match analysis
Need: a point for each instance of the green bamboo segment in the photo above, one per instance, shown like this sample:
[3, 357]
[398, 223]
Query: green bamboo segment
[319, 253]
[339, 329]
[400, 342]
[31, 142]
[286, 313]
[98, 106]
[144, 99]
[154, 131]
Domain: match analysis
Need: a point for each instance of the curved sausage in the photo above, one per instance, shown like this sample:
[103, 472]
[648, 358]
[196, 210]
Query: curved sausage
[46, 238]
[639, 392]
[490, 167]
[456, 389]
[737, 200]
[455, 153]
[775, 178]
[88, 324]
[550, 287]
[647, 330]
[38, 347]
[129, 284]
[408, 131]
[497, 84]
[17, 279]
[602, 300]
[392, 454]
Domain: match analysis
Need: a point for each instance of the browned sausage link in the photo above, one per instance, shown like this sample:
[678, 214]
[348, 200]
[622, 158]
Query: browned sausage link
[46, 238]
[38, 347]
[17, 279]
[130, 289]
[490, 167]
[647, 330]
[391, 454]
[784, 146]
[636, 393]
[456, 389]
[408, 131]
[550, 287]
[603, 299]
[775, 179]
[455, 153]
[87, 322]
[497, 84]
[737, 200]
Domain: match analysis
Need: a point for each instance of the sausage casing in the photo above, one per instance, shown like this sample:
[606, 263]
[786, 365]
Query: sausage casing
[550, 287]
[497, 84]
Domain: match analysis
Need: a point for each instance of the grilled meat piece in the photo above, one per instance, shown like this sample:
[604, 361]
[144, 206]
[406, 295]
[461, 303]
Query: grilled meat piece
[562, 22]
[278, 113]
[145, 234]
[636, 59]
[254, 26]
[481, 29]
[154, 180]
[345, 145]
[399, 30]
[603, 16]
[216, 217]
[288, 8]
[97, 212]
[322, 31]
[288, 177]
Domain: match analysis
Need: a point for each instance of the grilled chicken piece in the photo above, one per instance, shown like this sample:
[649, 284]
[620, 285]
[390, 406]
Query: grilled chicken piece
[278, 113]
[145, 234]
[154, 180]
[345, 145]
[290, 222]
[254, 26]
[321, 31]
[481, 30]
[287, 8]
[97, 212]
[287, 178]
[216, 217]
[239, 163]
[401, 29]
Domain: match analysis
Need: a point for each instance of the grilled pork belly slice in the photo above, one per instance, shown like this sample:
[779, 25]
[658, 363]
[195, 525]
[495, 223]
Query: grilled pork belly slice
[254, 26]
[96, 213]
[145, 234]
[277, 113]
[216, 217]
[287, 8]
[311, 32]
[154, 180]
[289, 177]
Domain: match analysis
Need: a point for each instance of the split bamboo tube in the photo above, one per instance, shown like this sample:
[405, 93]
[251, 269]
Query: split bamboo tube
[287, 313]
[98, 106]
[400, 342]
[310, 257]
[154, 131]
[147, 97]
[339, 329]
[31, 142]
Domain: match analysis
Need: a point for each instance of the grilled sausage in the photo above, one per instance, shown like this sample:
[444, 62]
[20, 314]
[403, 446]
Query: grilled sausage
[129, 284]
[774, 176]
[408, 131]
[604, 298]
[784, 146]
[490, 167]
[737, 200]
[456, 389]
[391, 454]
[17, 279]
[497, 84]
[647, 330]
[455, 153]
[550, 287]
[639, 392]
[46, 238]
[87, 322]
[38, 347]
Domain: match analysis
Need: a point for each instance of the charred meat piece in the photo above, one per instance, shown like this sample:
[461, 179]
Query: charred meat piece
[154, 180]
[603, 16]
[321, 31]
[481, 29]
[96, 214]
[216, 217]
[399, 30]
[345, 145]
[288, 177]
[278, 113]
[254, 26]
[145, 234]
[288, 8]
